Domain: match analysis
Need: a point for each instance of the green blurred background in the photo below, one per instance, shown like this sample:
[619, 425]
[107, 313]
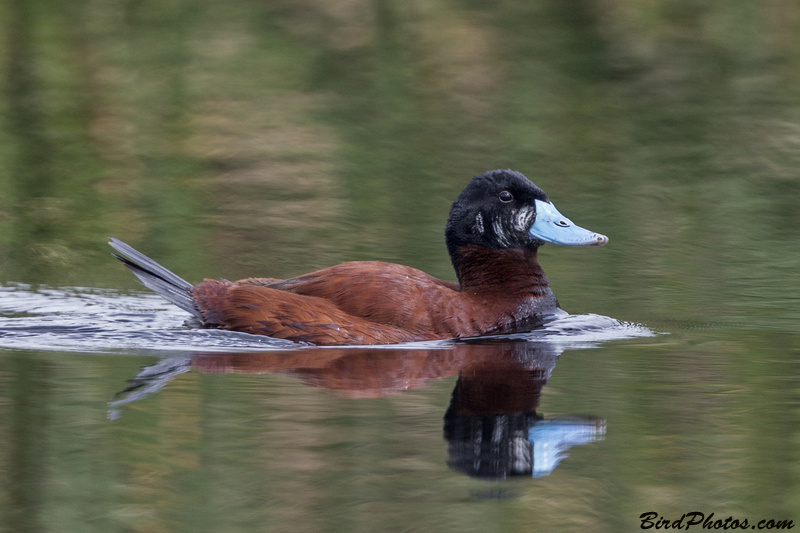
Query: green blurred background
[251, 138]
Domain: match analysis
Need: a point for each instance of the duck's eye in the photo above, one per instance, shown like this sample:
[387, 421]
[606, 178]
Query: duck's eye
[506, 197]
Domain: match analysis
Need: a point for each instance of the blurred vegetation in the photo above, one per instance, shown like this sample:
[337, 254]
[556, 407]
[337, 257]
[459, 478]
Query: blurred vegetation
[252, 138]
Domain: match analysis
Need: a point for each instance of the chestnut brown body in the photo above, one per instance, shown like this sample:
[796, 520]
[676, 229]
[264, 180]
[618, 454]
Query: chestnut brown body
[371, 302]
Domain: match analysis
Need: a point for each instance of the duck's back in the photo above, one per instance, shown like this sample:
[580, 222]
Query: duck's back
[363, 302]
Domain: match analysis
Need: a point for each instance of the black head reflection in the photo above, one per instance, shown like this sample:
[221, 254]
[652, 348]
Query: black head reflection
[491, 426]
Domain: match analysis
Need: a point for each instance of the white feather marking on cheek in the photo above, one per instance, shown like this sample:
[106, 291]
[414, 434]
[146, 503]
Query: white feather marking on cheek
[500, 233]
[479, 223]
[523, 218]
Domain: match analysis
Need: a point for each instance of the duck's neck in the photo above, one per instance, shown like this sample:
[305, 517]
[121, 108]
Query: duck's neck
[509, 272]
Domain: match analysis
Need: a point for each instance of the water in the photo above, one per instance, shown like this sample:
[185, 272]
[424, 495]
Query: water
[235, 139]
[358, 417]
[106, 321]
[140, 422]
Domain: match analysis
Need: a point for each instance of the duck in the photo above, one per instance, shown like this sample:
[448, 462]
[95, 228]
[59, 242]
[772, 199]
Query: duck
[493, 233]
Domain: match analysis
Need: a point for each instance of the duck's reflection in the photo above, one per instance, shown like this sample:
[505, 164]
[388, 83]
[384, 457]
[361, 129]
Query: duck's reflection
[491, 425]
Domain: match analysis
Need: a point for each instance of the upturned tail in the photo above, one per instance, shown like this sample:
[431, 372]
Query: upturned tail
[156, 278]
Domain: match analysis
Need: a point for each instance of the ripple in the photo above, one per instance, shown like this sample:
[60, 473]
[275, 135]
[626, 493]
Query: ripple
[104, 320]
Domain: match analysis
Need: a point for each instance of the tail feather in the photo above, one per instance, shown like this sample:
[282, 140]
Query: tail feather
[156, 278]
